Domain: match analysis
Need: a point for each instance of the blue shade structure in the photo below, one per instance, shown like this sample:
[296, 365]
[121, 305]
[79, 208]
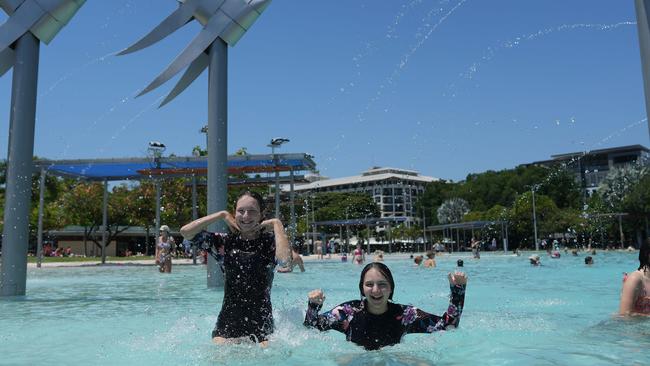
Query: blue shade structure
[643, 26]
[30, 22]
[225, 19]
[224, 23]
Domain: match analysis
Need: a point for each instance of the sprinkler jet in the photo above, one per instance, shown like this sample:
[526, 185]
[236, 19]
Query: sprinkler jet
[43, 18]
[226, 19]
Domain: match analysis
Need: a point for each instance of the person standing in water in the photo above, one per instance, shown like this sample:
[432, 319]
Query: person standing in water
[375, 321]
[635, 297]
[251, 252]
[165, 248]
[358, 257]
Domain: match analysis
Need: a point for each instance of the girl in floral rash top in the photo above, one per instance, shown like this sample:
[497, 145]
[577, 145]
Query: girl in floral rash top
[374, 322]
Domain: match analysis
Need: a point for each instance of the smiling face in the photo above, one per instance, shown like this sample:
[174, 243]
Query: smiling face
[247, 214]
[377, 290]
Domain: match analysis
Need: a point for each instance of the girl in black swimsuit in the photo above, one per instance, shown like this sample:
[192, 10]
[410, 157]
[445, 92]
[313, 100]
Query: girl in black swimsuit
[374, 321]
[250, 254]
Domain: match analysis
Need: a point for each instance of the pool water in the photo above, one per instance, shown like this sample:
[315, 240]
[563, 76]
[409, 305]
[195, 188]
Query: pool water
[562, 313]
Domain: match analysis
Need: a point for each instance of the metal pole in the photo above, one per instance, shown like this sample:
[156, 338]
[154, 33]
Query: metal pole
[292, 221]
[368, 230]
[277, 184]
[313, 220]
[535, 220]
[424, 228]
[643, 28]
[217, 145]
[41, 203]
[195, 213]
[13, 275]
[157, 184]
[104, 221]
[620, 229]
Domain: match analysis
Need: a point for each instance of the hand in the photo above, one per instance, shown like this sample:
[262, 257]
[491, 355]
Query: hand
[457, 278]
[231, 222]
[269, 224]
[317, 297]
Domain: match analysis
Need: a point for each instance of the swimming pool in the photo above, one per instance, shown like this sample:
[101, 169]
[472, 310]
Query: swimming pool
[558, 314]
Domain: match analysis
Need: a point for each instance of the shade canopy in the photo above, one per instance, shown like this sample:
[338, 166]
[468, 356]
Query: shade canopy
[141, 168]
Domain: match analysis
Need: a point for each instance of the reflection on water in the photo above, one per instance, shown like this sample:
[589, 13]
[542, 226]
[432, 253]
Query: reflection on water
[559, 314]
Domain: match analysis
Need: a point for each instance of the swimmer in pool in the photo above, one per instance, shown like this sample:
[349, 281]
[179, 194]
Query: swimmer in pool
[635, 297]
[296, 260]
[250, 254]
[375, 321]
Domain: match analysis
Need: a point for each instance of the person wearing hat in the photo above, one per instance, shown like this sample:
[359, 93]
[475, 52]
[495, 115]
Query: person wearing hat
[534, 260]
[165, 246]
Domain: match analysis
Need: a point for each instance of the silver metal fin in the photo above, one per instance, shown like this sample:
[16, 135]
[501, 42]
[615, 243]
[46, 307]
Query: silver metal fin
[200, 43]
[173, 22]
[193, 71]
[6, 60]
[19, 23]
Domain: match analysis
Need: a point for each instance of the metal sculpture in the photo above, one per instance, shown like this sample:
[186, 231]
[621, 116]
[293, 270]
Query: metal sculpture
[224, 23]
[224, 19]
[30, 22]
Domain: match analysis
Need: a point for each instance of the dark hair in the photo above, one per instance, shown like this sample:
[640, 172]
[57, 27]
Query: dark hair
[383, 269]
[459, 263]
[589, 260]
[430, 254]
[644, 253]
[257, 197]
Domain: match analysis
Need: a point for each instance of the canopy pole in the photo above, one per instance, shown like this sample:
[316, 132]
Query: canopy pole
[41, 202]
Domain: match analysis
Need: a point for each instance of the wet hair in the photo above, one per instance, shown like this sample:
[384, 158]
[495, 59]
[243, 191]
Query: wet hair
[589, 260]
[418, 259]
[644, 253]
[430, 254]
[257, 197]
[459, 263]
[383, 269]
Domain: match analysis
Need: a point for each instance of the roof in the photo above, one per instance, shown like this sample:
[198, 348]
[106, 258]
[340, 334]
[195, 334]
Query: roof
[609, 150]
[372, 175]
[139, 168]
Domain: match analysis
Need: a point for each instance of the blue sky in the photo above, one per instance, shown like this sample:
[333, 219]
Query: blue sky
[444, 87]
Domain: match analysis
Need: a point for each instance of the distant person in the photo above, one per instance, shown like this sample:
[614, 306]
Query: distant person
[476, 247]
[319, 249]
[459, 263]
[296, 260]
[165, 247]
[535, 260]
[635, 297]
[589, 260]
[493, 245]
[376, 321]
[418, 260]
[358, 257]
[379, 256]
[430, 262]
[344, 257]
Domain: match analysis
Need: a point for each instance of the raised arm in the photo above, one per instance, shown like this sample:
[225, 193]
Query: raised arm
[337, 318]
[282, 250]
[190, 230]
[418, 321]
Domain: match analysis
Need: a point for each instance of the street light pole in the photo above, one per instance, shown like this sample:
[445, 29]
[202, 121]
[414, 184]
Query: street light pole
[276, 142]
[534, 219]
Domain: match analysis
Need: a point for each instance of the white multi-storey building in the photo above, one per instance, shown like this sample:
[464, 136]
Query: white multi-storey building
[394, 190]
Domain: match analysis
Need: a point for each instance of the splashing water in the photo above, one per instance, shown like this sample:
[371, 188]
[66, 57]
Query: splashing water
[491, 52]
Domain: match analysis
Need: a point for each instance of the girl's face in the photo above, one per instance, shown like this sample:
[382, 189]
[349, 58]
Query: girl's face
[247, 213]
[376, 289]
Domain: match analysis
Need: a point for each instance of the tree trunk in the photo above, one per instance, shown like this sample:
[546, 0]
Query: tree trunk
[85, 241]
